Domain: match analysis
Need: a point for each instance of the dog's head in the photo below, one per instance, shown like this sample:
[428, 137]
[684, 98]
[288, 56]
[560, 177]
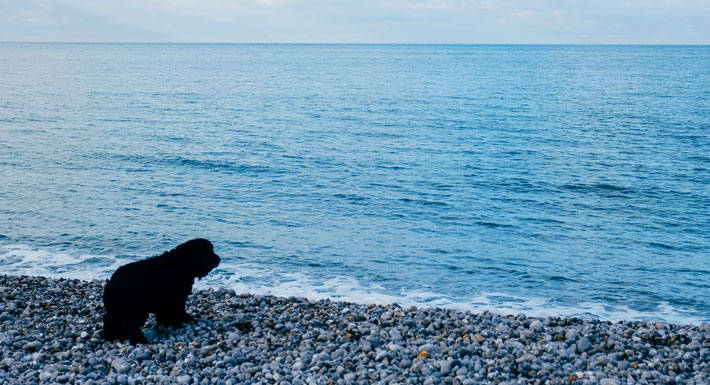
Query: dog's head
[198, 256]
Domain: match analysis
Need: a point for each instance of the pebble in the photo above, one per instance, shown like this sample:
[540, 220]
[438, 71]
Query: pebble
[119, 365]
[34, 345]
[571, 334]
[536, 326]
[583, 345]
[44, 376]
[5, 316]
[260, 339]
[445, 367]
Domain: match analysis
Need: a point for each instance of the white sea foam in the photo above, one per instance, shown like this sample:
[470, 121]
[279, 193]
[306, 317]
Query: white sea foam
[25, 260]
[245, 278]
[254, 280]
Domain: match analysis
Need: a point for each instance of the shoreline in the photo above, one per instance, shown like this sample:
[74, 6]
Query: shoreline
[49, 333]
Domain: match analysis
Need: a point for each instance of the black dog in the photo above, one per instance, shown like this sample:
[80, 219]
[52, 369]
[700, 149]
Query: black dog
[157, 285]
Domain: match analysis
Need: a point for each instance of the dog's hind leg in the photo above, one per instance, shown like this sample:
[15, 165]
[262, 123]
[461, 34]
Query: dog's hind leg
[136, 336]
[109, 331]
[122, 328]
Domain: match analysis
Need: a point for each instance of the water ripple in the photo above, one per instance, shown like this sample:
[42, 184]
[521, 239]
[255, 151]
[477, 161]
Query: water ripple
[441, 175]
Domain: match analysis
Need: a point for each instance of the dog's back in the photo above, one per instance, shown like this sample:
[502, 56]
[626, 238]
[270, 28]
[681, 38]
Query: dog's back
[131, 285]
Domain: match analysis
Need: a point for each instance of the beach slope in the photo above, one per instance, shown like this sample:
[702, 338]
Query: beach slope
[49, 333]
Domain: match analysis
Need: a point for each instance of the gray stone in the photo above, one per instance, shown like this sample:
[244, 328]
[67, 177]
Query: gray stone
[571, 334]
[395, 335]
[150, 334]
[426, 370]
[119, 365]
[536, 326]
[608, 381]
[583, 345]
[45, 376]
[445, 367]
[142, 355]
[324, 356]
[380, 355]
[34, 345]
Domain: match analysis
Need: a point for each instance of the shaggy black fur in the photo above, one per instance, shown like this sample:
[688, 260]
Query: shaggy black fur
[157, 285]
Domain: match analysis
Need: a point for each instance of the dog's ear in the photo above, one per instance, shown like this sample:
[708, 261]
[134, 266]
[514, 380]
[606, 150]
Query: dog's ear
[203, 261]
[192, 258]
[199, 265]
[198, 257]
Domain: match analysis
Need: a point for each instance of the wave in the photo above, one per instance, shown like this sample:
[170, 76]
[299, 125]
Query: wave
[492, 224]
[424, 202]
[25, 260]
[244, 277]
[254, 280]
[180, 161]
[599, 188]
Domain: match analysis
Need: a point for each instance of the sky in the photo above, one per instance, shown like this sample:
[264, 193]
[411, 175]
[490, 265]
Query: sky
[364, 21]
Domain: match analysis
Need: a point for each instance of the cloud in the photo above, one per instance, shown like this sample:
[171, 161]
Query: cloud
[271, 3]
[377, 21]
[522, 13]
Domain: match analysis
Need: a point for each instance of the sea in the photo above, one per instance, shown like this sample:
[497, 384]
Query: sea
[549, 180]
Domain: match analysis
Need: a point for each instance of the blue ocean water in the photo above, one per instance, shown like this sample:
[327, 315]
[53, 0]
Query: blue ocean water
[565, 180]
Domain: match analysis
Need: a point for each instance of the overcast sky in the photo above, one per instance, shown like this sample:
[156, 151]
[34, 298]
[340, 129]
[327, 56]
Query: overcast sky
[364, 21]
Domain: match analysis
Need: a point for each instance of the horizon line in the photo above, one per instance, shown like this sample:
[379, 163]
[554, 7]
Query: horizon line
[337, 43]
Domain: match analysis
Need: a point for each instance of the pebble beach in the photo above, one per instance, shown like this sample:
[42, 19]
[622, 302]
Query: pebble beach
[49, 333]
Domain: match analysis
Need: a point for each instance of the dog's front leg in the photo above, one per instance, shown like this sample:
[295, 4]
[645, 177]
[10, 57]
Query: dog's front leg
[172, 313]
